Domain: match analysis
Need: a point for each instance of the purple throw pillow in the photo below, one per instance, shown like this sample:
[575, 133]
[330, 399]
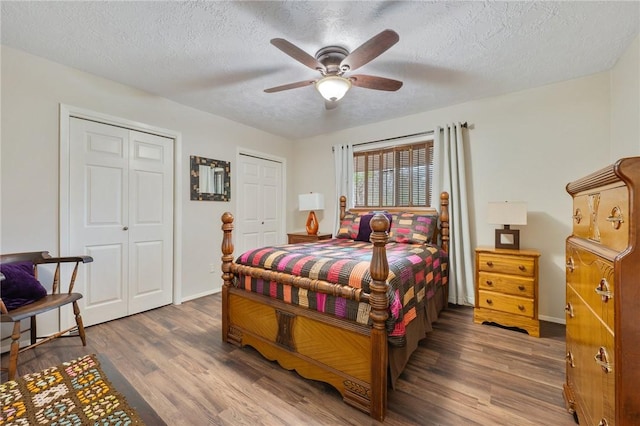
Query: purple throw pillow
[20, 287]
[364, 232]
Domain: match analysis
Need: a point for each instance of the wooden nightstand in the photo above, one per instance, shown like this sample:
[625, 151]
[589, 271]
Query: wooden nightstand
[303, 237]
[507, 288]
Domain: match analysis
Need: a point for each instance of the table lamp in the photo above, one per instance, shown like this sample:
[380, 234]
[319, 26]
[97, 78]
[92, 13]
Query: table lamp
[311, 202]
[507, 213]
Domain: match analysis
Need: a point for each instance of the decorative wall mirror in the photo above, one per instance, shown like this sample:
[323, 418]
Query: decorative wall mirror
[210, 179]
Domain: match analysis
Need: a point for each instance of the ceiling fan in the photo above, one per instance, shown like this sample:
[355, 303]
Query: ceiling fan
[334, 61]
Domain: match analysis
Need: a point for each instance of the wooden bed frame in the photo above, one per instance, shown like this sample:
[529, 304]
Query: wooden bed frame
[351, 357]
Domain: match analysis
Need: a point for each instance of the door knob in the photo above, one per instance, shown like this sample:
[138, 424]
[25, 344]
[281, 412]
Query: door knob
[126, 228]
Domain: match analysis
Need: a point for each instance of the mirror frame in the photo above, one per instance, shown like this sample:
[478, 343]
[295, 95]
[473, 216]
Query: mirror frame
[196, 162]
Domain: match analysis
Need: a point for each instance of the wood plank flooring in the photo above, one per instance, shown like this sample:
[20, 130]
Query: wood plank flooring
[462, 374]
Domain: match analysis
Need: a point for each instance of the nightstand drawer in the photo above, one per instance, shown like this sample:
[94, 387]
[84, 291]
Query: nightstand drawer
[506, 303]
[518, 286]
[506, 264]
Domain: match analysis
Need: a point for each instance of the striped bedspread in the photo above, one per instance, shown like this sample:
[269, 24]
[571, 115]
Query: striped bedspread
[414, 272]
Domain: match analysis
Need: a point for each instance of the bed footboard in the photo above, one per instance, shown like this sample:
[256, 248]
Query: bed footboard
[351, 357]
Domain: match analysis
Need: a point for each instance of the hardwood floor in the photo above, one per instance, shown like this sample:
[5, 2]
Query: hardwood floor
[462, 374]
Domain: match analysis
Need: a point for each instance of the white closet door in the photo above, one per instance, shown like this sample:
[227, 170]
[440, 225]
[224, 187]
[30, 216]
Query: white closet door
[271, 183]
[120, 211]
[150, 221]
[260, 202]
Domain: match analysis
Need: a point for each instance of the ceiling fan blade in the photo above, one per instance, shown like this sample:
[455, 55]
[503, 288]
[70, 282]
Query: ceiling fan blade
[298, 54]
[330, 104]
[371, 49]
[373, 82]
[290, 86]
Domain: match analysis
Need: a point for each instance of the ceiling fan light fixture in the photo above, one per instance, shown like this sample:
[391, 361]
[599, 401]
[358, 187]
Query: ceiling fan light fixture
[333, 87]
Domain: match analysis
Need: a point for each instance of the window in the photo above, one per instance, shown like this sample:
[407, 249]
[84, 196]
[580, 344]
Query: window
[398, 176]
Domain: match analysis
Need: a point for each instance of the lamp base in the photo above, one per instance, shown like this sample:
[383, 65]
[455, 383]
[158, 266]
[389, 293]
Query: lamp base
[507, 239]
[312, 224]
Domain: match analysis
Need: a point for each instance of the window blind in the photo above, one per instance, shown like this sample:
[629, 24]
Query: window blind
[398, 176]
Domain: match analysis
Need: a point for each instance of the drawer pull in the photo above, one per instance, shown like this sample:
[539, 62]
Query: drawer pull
[521, 288]
[521, 307]
[603, 290]
[490, 264]
[489, 302]
[616, 218]
[570, 264]
[489, 282]
[577, 216]
[602, 359]
[603, 422]
[522, 268]
[569, 359]
[569, 310]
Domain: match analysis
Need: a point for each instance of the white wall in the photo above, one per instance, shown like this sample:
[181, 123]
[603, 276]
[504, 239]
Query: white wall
[521, 146]
[625, 104]
[525, 145]
[33, 88]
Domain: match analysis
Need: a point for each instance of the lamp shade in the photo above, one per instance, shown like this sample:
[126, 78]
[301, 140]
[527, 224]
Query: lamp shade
[333, 88]
[310, 202]
[507, 213]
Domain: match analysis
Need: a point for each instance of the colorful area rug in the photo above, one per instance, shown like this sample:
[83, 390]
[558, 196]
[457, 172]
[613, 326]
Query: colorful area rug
[74, 393]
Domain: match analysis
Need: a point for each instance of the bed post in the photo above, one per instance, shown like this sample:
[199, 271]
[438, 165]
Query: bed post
[379, 270]
[343, 207]
[444, 221]
[227, 276]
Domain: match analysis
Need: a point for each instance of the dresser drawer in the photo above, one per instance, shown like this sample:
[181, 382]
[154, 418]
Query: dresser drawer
[506, 264]
[509, 284]
[603, 217]
[590, 362]
[592, 277]
[506, 303]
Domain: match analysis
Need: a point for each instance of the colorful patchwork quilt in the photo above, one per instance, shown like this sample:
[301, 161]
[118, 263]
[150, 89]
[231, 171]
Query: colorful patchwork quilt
[415, 271]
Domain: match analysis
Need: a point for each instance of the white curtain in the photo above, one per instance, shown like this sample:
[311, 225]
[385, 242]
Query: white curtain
[450, 176]
[343, 162]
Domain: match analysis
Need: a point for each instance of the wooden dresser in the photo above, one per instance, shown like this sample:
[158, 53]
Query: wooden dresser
[507, 288]
[603, 297]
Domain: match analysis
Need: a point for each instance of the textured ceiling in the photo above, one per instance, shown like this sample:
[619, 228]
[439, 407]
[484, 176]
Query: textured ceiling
[216, 56]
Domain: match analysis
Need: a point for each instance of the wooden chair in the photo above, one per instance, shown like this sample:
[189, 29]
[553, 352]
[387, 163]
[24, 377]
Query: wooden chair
[52, 300]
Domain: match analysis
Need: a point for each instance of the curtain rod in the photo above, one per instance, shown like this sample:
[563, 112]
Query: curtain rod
[430, 132]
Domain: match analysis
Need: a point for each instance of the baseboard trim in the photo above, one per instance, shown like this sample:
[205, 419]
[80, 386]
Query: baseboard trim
[552, 319]
[199, 295]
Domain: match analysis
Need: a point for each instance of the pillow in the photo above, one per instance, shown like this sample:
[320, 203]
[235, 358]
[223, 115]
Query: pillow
[413, 228]
[349, 226]
[20, 287]
[364, 231]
